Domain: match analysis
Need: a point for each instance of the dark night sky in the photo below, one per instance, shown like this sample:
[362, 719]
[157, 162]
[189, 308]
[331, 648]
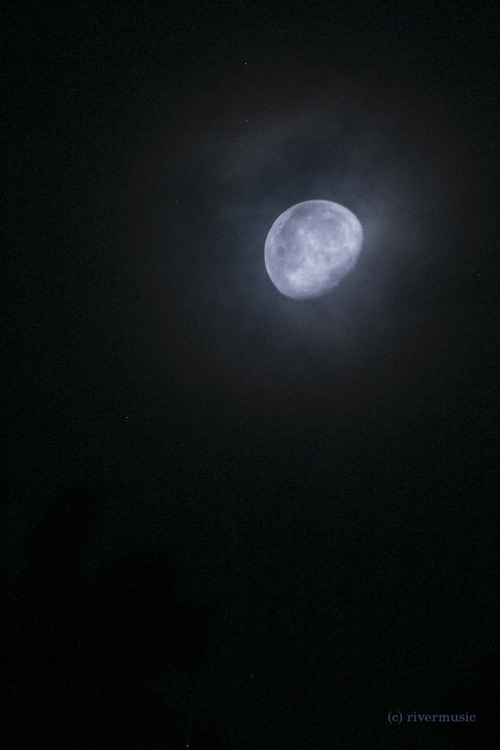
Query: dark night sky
[231, 519]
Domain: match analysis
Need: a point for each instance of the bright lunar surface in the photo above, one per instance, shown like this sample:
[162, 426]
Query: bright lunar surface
[311, 247]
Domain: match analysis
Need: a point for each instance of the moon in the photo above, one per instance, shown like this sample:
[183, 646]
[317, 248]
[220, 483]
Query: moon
[311, 247]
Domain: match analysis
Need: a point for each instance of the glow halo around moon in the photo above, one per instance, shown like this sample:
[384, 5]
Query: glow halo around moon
[311, 247]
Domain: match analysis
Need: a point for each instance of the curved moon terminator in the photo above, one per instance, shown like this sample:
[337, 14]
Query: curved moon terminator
[311, 247]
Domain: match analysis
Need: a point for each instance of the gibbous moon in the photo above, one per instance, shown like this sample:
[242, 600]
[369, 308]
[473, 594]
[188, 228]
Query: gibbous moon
[311, 247]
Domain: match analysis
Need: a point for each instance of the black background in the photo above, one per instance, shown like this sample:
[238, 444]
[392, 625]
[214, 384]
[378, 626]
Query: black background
[231, 519]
